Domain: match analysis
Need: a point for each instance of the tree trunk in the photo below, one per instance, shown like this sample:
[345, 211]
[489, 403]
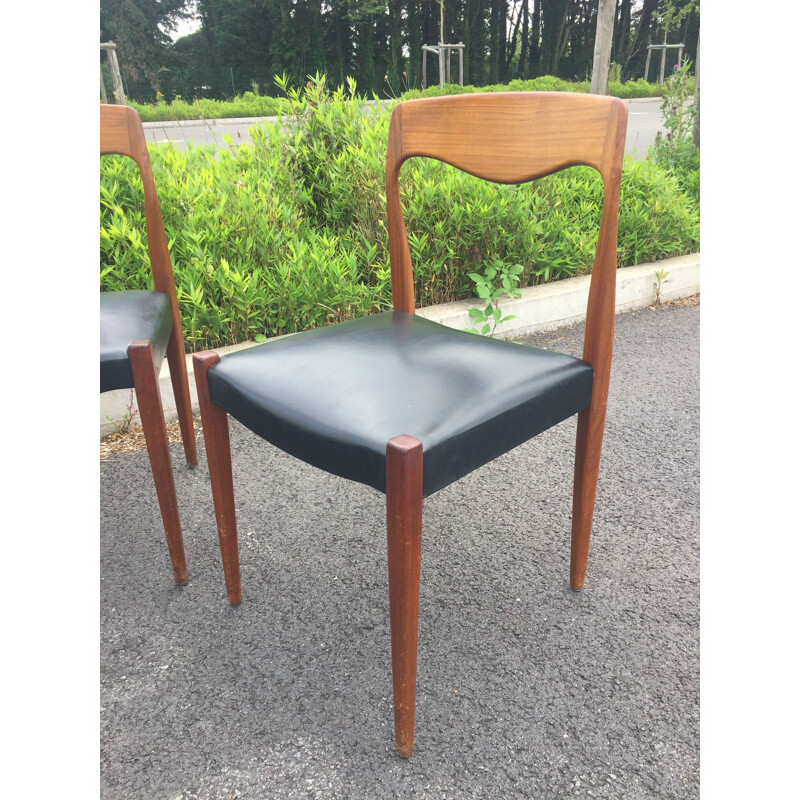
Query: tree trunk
[554, 16]
[522, 67]
[414, 45]
[642, 38]
[495, 23]
[534, 47]
[622, 29]
[474, 40]
[602, 47]
[511, 45]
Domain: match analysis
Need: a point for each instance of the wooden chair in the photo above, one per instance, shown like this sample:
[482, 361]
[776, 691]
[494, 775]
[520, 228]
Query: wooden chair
[407, 406]
[137, 328]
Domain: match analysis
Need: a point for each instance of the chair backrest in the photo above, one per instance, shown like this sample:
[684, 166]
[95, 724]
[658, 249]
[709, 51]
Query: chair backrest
[514, 137]
[121, 132]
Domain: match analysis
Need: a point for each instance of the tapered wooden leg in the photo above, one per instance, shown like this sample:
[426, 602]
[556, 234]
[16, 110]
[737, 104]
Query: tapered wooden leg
[404, 529]
[218, 453]
[183, 400]
[591, 422]
[148, 398]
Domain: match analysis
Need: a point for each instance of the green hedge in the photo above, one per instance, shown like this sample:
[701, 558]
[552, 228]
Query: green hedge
[546, 83]
[289, 232]
[250, 104]
[246, 105]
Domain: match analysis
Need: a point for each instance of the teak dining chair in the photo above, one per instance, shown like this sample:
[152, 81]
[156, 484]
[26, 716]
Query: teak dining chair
[406, 405]
[137, 328]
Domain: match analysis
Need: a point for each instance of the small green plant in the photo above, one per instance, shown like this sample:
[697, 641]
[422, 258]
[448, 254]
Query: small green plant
[661, 278]
[487, 288]
[124, 425]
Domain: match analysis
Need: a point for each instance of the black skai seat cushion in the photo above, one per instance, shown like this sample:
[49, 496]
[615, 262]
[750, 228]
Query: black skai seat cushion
[124, 318]
[335, 396]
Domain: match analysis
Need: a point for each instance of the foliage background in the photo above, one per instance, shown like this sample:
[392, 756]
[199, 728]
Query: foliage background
[289, 232]
[242, 43]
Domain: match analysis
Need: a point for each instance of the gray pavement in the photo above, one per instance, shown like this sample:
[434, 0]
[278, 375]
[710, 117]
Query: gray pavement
[526, 688]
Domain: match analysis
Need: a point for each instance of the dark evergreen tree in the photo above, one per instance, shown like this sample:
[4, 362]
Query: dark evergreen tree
[379, 42]
[140, 29]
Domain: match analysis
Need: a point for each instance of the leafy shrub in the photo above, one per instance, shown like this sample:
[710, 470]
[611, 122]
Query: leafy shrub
[656, 219]
[246, 261]
[631, 88]
[544, 83]
[676, 152]
[683, 163]
[247, 105]
[289, 231]
[252, 104]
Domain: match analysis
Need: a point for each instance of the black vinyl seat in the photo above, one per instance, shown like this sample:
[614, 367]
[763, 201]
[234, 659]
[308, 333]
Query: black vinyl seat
[124, 318]
[334, 396]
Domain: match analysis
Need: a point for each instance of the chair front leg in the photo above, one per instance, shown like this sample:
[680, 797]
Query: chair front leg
[404, 532]
[589, 442]
[148, 398]
[183, 400]
[218, 452]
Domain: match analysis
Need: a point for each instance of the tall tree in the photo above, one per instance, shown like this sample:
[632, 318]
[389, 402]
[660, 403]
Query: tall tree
[140, 29]
[379, 42]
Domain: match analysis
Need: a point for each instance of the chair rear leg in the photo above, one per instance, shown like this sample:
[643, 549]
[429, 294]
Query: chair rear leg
[404, 532]
[148, 398]
[183, 400]
[591, 422]
[218, 452]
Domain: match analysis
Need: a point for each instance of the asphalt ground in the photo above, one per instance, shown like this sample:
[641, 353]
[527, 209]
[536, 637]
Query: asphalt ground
[525, 687]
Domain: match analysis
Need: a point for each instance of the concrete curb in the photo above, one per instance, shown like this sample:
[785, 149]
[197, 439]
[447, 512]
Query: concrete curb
[540, 308]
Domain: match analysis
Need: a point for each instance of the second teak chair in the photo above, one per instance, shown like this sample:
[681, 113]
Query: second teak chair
[406, 405]
[137, 329]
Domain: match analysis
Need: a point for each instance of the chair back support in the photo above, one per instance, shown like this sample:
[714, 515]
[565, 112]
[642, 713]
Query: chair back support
[121, 133]
[514, 137]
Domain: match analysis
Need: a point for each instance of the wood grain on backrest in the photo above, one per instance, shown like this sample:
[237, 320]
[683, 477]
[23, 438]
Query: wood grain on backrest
[506, 137]
[512, 137]
[121, 133]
